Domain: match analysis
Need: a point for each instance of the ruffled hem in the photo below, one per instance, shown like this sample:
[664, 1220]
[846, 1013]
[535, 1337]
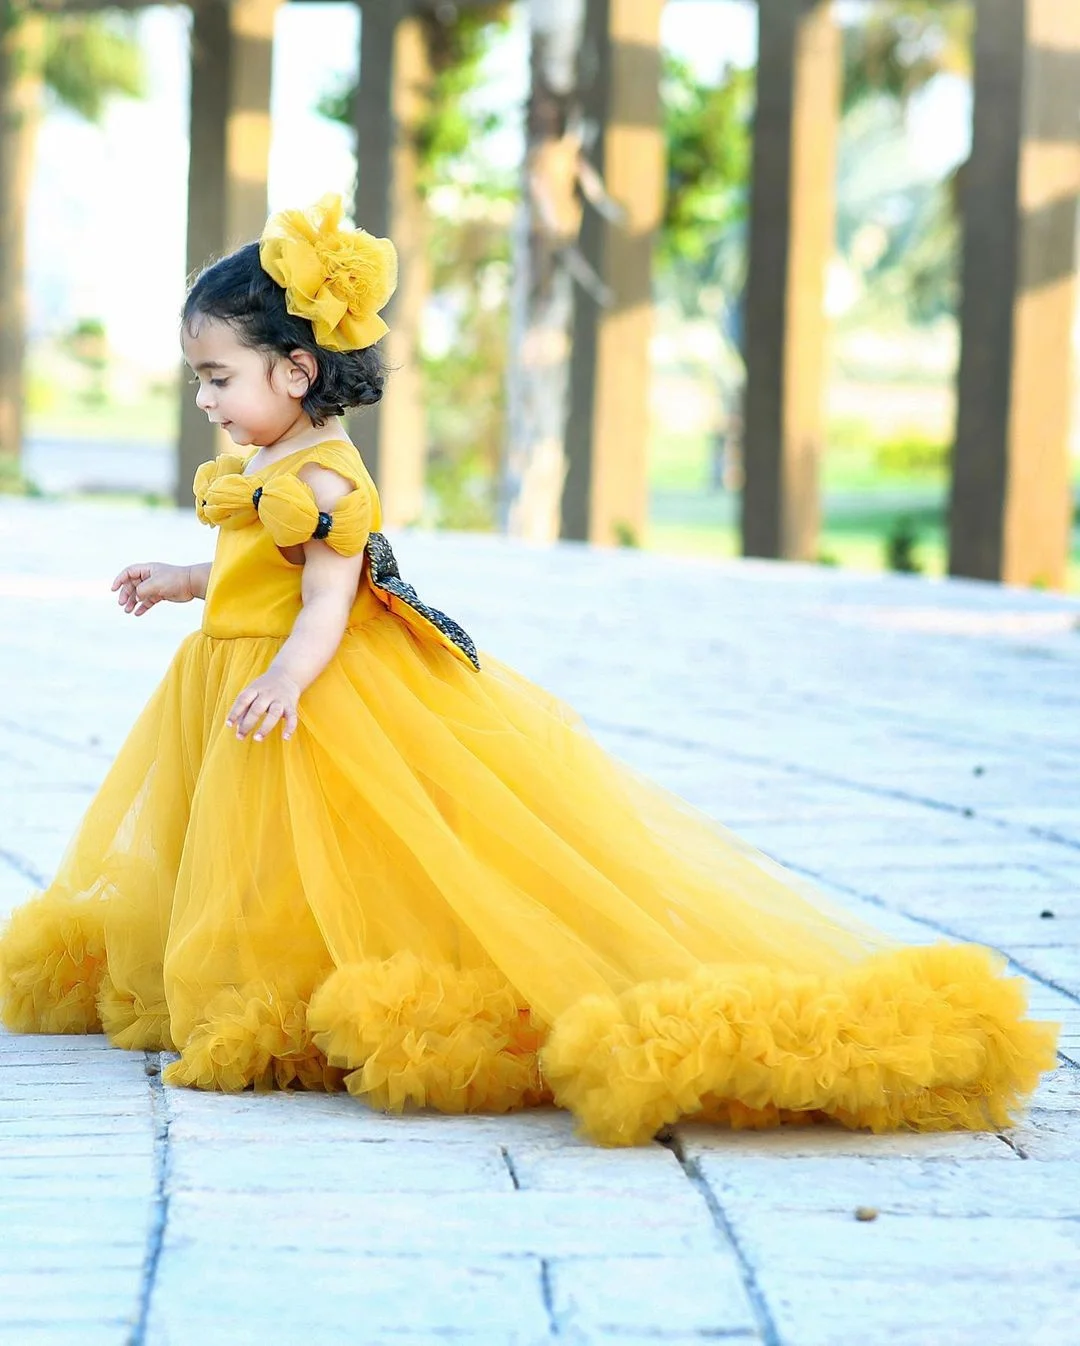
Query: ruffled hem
[52, 961]
[420, 1036]
[929, 1039]
[253, 1036]
[131, 1024]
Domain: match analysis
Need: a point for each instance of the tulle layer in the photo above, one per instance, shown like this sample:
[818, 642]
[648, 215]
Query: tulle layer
[442, 893]
[52, 961]
[410, 1035]
[132, 1024]
[254, 1036]
[932, 1039]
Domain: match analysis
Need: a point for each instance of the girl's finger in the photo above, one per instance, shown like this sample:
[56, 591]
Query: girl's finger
[239, 706]
[270, 719]
[130, 575]
[290, 723]
[252, 715]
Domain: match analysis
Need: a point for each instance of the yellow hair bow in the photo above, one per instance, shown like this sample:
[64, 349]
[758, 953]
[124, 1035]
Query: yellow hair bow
[337, 278]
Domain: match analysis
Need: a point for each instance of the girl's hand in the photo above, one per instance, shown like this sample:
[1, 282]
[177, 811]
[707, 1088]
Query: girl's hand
[271, 699]
[151, 582]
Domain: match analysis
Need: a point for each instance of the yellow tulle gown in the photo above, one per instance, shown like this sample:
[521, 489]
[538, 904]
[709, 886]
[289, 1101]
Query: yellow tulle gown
[442, 893]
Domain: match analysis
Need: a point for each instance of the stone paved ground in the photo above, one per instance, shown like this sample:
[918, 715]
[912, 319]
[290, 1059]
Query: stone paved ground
[913, 746]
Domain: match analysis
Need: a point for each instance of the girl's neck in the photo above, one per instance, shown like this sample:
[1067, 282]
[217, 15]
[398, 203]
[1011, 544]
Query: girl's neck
[302, 436]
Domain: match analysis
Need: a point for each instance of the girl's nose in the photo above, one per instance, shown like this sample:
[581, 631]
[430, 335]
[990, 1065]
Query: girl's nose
[204, 398]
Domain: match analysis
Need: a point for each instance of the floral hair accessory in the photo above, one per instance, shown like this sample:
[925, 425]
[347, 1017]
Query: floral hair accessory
[337, 278]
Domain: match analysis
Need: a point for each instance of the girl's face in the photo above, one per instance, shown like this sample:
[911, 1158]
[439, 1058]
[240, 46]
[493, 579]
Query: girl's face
[255, 403]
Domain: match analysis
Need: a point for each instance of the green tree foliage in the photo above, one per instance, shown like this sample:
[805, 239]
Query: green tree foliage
[701, 250]
[470, 201]
[707, 132]
[452, 132]
[90, 58]
[896, 226]
[901, 45]
[452, 135]
[890, 56]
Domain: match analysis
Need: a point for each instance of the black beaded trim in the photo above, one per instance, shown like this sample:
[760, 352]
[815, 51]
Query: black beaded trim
[256, 496]
[386, 576]
[326, 522]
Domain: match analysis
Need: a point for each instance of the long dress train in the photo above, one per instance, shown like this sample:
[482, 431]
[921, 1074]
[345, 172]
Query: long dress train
[441, 892]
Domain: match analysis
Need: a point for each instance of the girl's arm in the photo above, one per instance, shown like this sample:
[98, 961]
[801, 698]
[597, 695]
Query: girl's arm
[328, 589]
[198, 579]
[142, 586]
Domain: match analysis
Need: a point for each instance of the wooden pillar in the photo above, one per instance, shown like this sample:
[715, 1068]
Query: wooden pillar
[394, 87]
[22, 56]
[605, 495]
[231, 53]
[792, 221]
[1010, 509]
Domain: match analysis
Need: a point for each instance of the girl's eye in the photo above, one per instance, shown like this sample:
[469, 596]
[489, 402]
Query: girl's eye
[220, 383]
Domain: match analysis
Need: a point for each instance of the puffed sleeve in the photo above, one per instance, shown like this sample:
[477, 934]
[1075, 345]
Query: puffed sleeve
[206, 475]
[231, 501]
[290, 513]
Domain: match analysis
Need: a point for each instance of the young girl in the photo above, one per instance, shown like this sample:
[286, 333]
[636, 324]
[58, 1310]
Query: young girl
[339, 849]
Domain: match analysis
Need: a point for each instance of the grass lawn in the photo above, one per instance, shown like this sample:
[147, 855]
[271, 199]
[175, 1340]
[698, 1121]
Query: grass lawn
[862, 508]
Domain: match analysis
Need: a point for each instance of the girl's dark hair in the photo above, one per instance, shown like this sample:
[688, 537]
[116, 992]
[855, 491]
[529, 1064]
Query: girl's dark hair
[238, 291]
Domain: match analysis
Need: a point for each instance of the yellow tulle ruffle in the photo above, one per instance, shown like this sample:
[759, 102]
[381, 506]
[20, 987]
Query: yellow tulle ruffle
[253, 1036]
[416, 1036]
[337, 278]
[130, 1022]
[932, 1039]
[52, 961]
[923, 1038]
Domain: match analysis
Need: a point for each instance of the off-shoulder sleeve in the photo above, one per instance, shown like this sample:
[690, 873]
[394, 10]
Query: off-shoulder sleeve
[231, 502]
[207, 477]
[290, 513]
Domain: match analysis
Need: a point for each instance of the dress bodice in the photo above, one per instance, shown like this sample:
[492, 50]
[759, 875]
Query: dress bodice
[255, 590]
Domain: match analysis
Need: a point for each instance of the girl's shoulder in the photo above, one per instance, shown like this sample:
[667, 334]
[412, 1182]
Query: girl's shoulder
[335, 455]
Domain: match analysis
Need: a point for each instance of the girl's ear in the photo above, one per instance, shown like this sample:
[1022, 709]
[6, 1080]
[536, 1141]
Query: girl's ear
[302, 372]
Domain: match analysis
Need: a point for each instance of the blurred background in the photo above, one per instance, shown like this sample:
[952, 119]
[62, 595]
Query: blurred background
[581, 201]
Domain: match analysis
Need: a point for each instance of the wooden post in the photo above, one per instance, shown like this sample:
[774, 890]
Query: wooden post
[792, 212]
[1010, 510]
[22, 56]
[605, 496]
[395, 78]
[231, 53]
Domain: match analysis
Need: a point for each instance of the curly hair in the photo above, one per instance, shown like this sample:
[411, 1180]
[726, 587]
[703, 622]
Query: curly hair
[238, 291]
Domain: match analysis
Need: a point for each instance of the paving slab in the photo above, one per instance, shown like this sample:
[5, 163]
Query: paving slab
[908, 744]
